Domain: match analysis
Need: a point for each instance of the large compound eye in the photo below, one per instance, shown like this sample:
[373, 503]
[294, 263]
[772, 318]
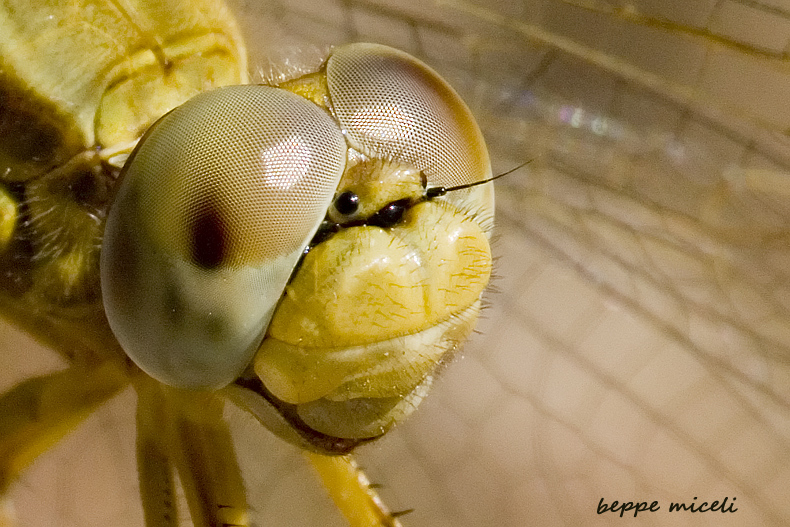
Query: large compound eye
[391, 105]
[215, 207]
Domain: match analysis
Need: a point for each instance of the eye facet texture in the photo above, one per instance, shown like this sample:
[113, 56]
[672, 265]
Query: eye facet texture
[393, 106]
[215, 208]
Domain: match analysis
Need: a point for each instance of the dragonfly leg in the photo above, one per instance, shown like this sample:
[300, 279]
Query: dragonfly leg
[351, 491]
[39, 412]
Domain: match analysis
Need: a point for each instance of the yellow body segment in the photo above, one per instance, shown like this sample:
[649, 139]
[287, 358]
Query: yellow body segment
[147, 56]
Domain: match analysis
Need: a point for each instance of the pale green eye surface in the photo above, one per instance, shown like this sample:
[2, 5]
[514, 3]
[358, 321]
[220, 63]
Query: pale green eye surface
[391, 105]
[214, 209]
[637, 348]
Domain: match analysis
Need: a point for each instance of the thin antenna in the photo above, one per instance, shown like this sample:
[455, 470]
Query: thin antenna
[434, 192]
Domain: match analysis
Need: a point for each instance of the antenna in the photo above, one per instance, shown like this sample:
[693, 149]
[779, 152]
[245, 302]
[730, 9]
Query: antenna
[434, 192]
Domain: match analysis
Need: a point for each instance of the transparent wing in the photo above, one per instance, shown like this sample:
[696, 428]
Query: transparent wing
[636, 347]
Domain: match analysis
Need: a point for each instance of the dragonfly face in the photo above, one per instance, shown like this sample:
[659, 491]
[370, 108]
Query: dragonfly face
[386, 292]
[605, 369]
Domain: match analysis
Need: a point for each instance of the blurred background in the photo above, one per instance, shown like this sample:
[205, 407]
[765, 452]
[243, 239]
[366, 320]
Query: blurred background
[637, 341]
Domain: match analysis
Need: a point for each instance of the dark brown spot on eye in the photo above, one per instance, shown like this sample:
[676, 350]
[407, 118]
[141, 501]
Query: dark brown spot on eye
[209, 237]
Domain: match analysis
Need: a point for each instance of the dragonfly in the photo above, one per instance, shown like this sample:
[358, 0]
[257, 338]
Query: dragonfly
[635, 348]
[312, 253]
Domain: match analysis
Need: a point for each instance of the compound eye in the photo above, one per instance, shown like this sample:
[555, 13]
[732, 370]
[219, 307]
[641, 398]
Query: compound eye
[393, 106]
[214, 208]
